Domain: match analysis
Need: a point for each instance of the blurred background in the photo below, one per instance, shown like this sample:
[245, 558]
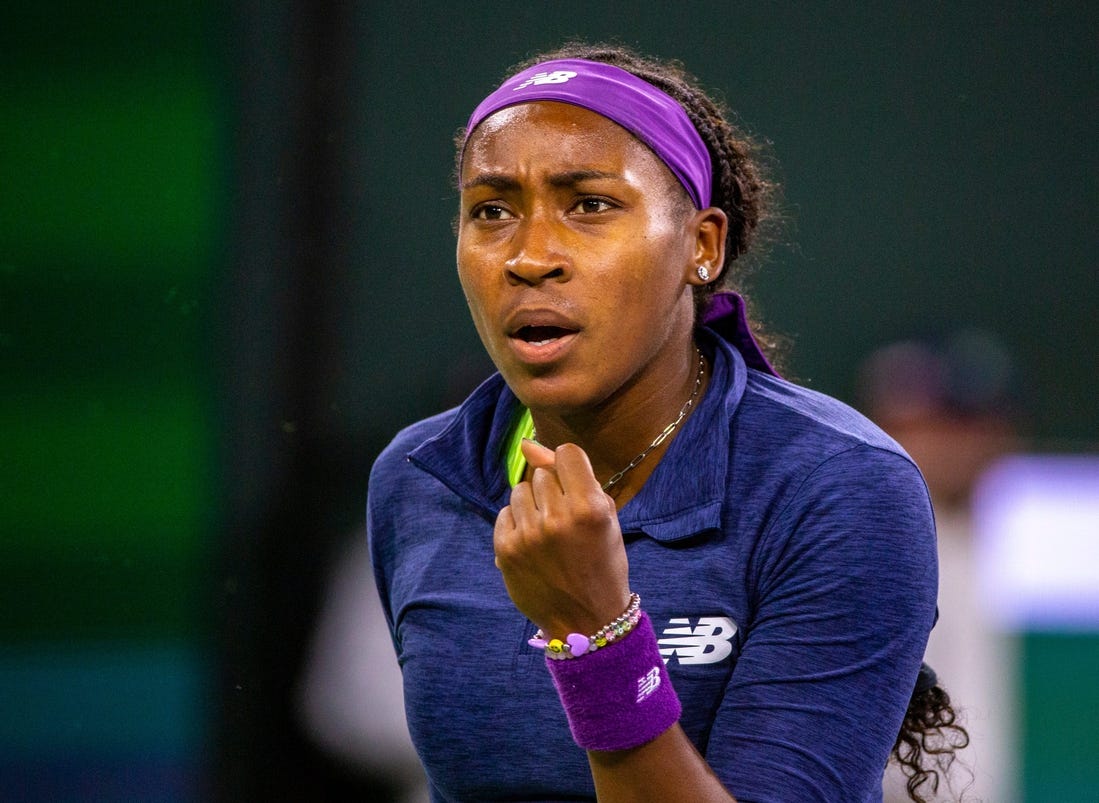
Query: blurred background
[227, 279]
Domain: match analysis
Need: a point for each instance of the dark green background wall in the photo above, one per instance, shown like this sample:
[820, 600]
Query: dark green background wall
[226, 278]
[113, 189]
[938, 162]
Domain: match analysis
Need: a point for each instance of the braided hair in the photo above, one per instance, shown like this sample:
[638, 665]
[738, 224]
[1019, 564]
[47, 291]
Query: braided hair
[930, 735]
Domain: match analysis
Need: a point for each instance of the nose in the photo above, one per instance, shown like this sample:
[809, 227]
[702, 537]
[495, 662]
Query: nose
[539, 253]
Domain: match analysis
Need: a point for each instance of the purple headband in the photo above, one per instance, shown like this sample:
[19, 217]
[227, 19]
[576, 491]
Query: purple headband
[648, 113]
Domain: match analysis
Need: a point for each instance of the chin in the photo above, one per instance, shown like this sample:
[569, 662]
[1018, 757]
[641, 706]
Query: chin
[552, 396]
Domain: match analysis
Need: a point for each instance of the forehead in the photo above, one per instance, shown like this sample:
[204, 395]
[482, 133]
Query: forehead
[549, 132]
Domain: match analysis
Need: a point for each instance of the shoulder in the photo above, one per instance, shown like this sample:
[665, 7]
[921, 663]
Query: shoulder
[820, 461]
[415, 434]
[392, 460]
[790, 409]
[791, 429]
[393, 491]
[838, 498]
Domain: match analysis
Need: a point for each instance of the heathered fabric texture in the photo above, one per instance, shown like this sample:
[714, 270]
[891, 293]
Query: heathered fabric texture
[782, 534]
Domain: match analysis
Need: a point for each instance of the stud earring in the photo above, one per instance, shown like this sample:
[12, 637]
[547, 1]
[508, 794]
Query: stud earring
[704, 273]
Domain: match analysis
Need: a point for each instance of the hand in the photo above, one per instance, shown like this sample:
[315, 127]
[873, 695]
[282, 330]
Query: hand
[559, 545]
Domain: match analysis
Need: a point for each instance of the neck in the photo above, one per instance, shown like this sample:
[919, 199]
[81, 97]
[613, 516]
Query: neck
[621, 432]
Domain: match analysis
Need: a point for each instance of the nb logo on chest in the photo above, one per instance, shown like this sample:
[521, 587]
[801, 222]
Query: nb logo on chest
[707, 642]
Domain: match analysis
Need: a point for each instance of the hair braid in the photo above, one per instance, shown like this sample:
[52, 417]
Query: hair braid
[928, 741]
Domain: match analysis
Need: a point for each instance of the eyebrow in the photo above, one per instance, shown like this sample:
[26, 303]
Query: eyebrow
[497, 181]
[503, 182]
[576, 176]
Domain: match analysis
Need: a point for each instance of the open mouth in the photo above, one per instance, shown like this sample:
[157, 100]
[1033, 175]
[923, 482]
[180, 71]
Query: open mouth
[542, 335]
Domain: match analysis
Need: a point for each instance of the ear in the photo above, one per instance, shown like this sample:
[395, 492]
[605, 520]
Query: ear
[709, 227]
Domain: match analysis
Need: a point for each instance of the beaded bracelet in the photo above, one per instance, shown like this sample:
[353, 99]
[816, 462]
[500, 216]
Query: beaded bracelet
[618, 699]
[577, 644]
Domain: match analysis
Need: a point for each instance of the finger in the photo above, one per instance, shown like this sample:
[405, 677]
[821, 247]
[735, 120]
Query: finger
[505, 521]
[502, 532]
[516, 525]
[537, 455]
[574, 471]
[546, 489]
[524, 510]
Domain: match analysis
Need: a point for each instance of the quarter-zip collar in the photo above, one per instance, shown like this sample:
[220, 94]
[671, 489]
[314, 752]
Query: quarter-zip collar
[683, 497]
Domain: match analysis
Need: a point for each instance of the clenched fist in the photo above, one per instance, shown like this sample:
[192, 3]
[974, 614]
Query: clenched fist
[559, 546]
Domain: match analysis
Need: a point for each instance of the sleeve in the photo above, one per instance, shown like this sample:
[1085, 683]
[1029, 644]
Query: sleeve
[379, 535]
[843, 584]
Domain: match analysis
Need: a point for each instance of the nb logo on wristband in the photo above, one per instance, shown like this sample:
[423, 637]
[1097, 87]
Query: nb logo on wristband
[648, 683]
[708, 642]
[555, 77]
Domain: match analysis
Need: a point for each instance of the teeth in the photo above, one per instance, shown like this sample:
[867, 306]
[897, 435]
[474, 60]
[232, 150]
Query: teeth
[543, 342]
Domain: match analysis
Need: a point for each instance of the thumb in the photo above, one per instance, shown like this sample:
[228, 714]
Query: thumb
[537, 455]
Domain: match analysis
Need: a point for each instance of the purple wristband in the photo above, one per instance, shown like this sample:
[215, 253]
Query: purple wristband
[619, 697]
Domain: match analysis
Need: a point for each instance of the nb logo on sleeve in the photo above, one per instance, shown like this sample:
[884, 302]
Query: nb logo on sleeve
[555, 77]
[707, 643]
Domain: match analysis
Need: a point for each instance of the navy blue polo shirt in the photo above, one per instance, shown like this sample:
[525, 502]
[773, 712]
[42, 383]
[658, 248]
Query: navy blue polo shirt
[784, 548]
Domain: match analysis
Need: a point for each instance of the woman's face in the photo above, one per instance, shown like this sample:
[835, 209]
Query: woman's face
[576, 249]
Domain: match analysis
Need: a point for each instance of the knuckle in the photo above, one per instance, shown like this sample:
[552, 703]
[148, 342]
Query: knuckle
[555, 522]
[587, 512]
[506, 550]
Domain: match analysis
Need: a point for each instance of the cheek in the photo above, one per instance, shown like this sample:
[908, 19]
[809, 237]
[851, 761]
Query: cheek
[652, 268]
[477, 293]
[473, 297]
[467, 271]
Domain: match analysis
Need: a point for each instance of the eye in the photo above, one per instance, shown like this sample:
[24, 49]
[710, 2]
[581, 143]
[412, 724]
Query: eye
[592, 205]
[491, 212]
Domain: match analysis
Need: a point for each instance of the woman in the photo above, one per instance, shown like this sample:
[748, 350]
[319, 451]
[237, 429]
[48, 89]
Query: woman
[636, 443]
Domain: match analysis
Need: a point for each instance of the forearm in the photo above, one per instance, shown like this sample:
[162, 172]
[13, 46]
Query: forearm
[666, 770]
[622, 708]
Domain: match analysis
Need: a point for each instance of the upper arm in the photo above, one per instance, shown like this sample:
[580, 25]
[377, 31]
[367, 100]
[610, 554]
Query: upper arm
[380, 537]
[843, 601]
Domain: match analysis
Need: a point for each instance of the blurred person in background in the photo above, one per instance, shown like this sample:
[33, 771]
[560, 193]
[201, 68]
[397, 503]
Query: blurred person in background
[350, 700]
[954, 405]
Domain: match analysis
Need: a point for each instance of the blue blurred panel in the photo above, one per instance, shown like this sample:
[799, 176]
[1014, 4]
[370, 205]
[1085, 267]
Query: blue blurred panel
[104, 722]
[1037, 519]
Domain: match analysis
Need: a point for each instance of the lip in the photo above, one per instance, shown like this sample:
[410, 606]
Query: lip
[540, 353]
